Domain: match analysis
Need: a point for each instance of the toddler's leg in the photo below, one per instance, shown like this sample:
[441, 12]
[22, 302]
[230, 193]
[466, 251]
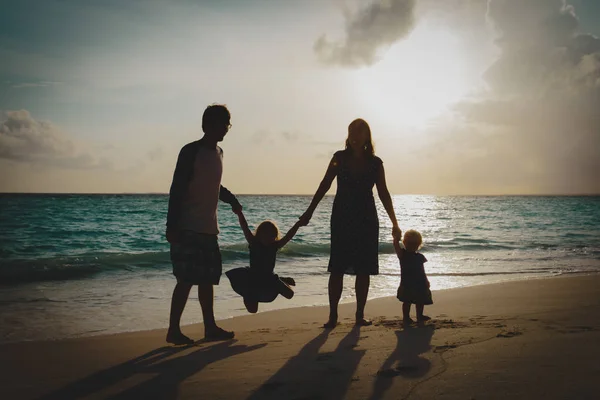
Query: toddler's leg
[420, 316]
[251, 306]
[285, 290]
[406, 312]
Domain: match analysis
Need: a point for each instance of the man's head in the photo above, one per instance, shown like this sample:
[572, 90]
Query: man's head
[216, 121]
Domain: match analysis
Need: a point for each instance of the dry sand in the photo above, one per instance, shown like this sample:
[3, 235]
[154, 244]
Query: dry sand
[537, 339]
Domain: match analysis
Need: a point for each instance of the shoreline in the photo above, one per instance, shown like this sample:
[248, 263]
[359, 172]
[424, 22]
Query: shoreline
[349, 300]
[522, 339]
[343, 304]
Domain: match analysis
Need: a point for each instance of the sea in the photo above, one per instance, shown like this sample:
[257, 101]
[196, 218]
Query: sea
[75, 265]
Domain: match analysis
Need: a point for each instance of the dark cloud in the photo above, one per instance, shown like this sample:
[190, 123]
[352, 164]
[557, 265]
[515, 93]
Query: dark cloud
[369, 31]
[543, 97]
[25, 139]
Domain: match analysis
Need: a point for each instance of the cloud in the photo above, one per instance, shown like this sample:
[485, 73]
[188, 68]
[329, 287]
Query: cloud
[35, 84]
[25, 139]
[156, 154]
[368, 31]
[543, 94]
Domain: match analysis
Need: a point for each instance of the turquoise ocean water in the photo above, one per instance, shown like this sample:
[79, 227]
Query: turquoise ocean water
[74, 265]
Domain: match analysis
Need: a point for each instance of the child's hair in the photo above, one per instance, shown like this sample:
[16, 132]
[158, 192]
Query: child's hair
[412, 240]
[267, 228]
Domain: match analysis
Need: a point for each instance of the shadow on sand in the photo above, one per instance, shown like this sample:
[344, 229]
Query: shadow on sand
[314, 375]
[404, 361]
[169, 373]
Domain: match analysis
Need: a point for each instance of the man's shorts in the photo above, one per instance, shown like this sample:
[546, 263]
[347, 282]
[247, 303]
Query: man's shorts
[196, 259]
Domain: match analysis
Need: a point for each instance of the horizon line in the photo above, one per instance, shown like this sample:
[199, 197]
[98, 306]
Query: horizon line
[304, 194]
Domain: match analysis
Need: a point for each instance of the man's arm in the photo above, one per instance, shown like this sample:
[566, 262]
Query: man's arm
[181, 177]
[226, 196]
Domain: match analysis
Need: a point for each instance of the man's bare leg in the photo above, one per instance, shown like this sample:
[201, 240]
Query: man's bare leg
[178, 302]
[211, 330]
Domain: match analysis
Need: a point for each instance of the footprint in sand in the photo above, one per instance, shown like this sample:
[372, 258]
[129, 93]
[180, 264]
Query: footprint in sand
[577, 329]
[399, 370]
[441, 349]
[509, 334]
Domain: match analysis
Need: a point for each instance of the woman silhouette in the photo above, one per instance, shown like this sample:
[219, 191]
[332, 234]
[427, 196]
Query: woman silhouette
[354, 221]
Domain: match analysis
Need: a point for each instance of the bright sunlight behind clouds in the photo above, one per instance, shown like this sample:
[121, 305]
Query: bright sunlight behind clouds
[463, 96]
[415, 82]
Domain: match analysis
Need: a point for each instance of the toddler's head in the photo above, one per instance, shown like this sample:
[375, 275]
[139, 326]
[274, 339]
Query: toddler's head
[267, 232]
[412, 240]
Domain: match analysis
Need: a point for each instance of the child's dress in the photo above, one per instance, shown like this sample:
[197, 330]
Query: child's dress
[413, 282]
[257, 282]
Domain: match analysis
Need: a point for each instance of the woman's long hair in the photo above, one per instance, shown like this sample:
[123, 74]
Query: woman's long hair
[360, 123]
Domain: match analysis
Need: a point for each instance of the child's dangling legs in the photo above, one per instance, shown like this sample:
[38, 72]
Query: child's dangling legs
[406, 312]
[284, 289]
[288, 281]
[420, 316]
[251, 306]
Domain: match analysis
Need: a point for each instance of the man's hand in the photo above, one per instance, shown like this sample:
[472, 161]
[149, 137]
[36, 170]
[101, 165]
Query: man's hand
[236, 208]
[172, 235]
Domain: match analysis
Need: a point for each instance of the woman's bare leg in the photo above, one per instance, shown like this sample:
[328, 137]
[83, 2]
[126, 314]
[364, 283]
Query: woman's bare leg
[336, 284]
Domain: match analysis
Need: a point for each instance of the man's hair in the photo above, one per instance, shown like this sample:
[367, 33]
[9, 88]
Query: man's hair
[215, 114]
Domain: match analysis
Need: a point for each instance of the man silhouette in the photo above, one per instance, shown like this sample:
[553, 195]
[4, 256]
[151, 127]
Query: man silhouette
[192, 225]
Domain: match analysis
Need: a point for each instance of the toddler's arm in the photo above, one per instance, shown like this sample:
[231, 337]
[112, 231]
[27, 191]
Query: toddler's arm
[291, 233]
[399, 247]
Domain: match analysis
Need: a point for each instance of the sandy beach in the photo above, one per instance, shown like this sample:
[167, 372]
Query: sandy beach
[537, 339]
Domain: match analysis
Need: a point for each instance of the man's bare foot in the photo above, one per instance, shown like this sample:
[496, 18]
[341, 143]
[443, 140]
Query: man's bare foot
[178, 338]
[217, 334]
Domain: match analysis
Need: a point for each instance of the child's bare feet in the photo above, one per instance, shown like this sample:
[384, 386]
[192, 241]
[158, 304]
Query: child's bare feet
[217, 334]
[177, 338]
[288, 281]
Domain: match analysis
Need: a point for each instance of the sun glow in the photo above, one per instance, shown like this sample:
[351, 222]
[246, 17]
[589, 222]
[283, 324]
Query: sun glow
[416, 80]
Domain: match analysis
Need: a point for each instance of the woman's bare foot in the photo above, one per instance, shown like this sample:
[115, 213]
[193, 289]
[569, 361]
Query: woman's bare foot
[423, 318]
[408, 321]
[363, 322]
[333, 321]
[330, 324]
[177, 338]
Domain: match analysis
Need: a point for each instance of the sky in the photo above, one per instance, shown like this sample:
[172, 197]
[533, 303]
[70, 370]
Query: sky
[463, 96]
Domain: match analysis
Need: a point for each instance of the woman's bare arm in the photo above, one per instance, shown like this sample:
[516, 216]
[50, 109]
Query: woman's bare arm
[386, 200]
[330, 175]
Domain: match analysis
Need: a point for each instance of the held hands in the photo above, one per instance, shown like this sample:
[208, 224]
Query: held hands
[396, 233]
